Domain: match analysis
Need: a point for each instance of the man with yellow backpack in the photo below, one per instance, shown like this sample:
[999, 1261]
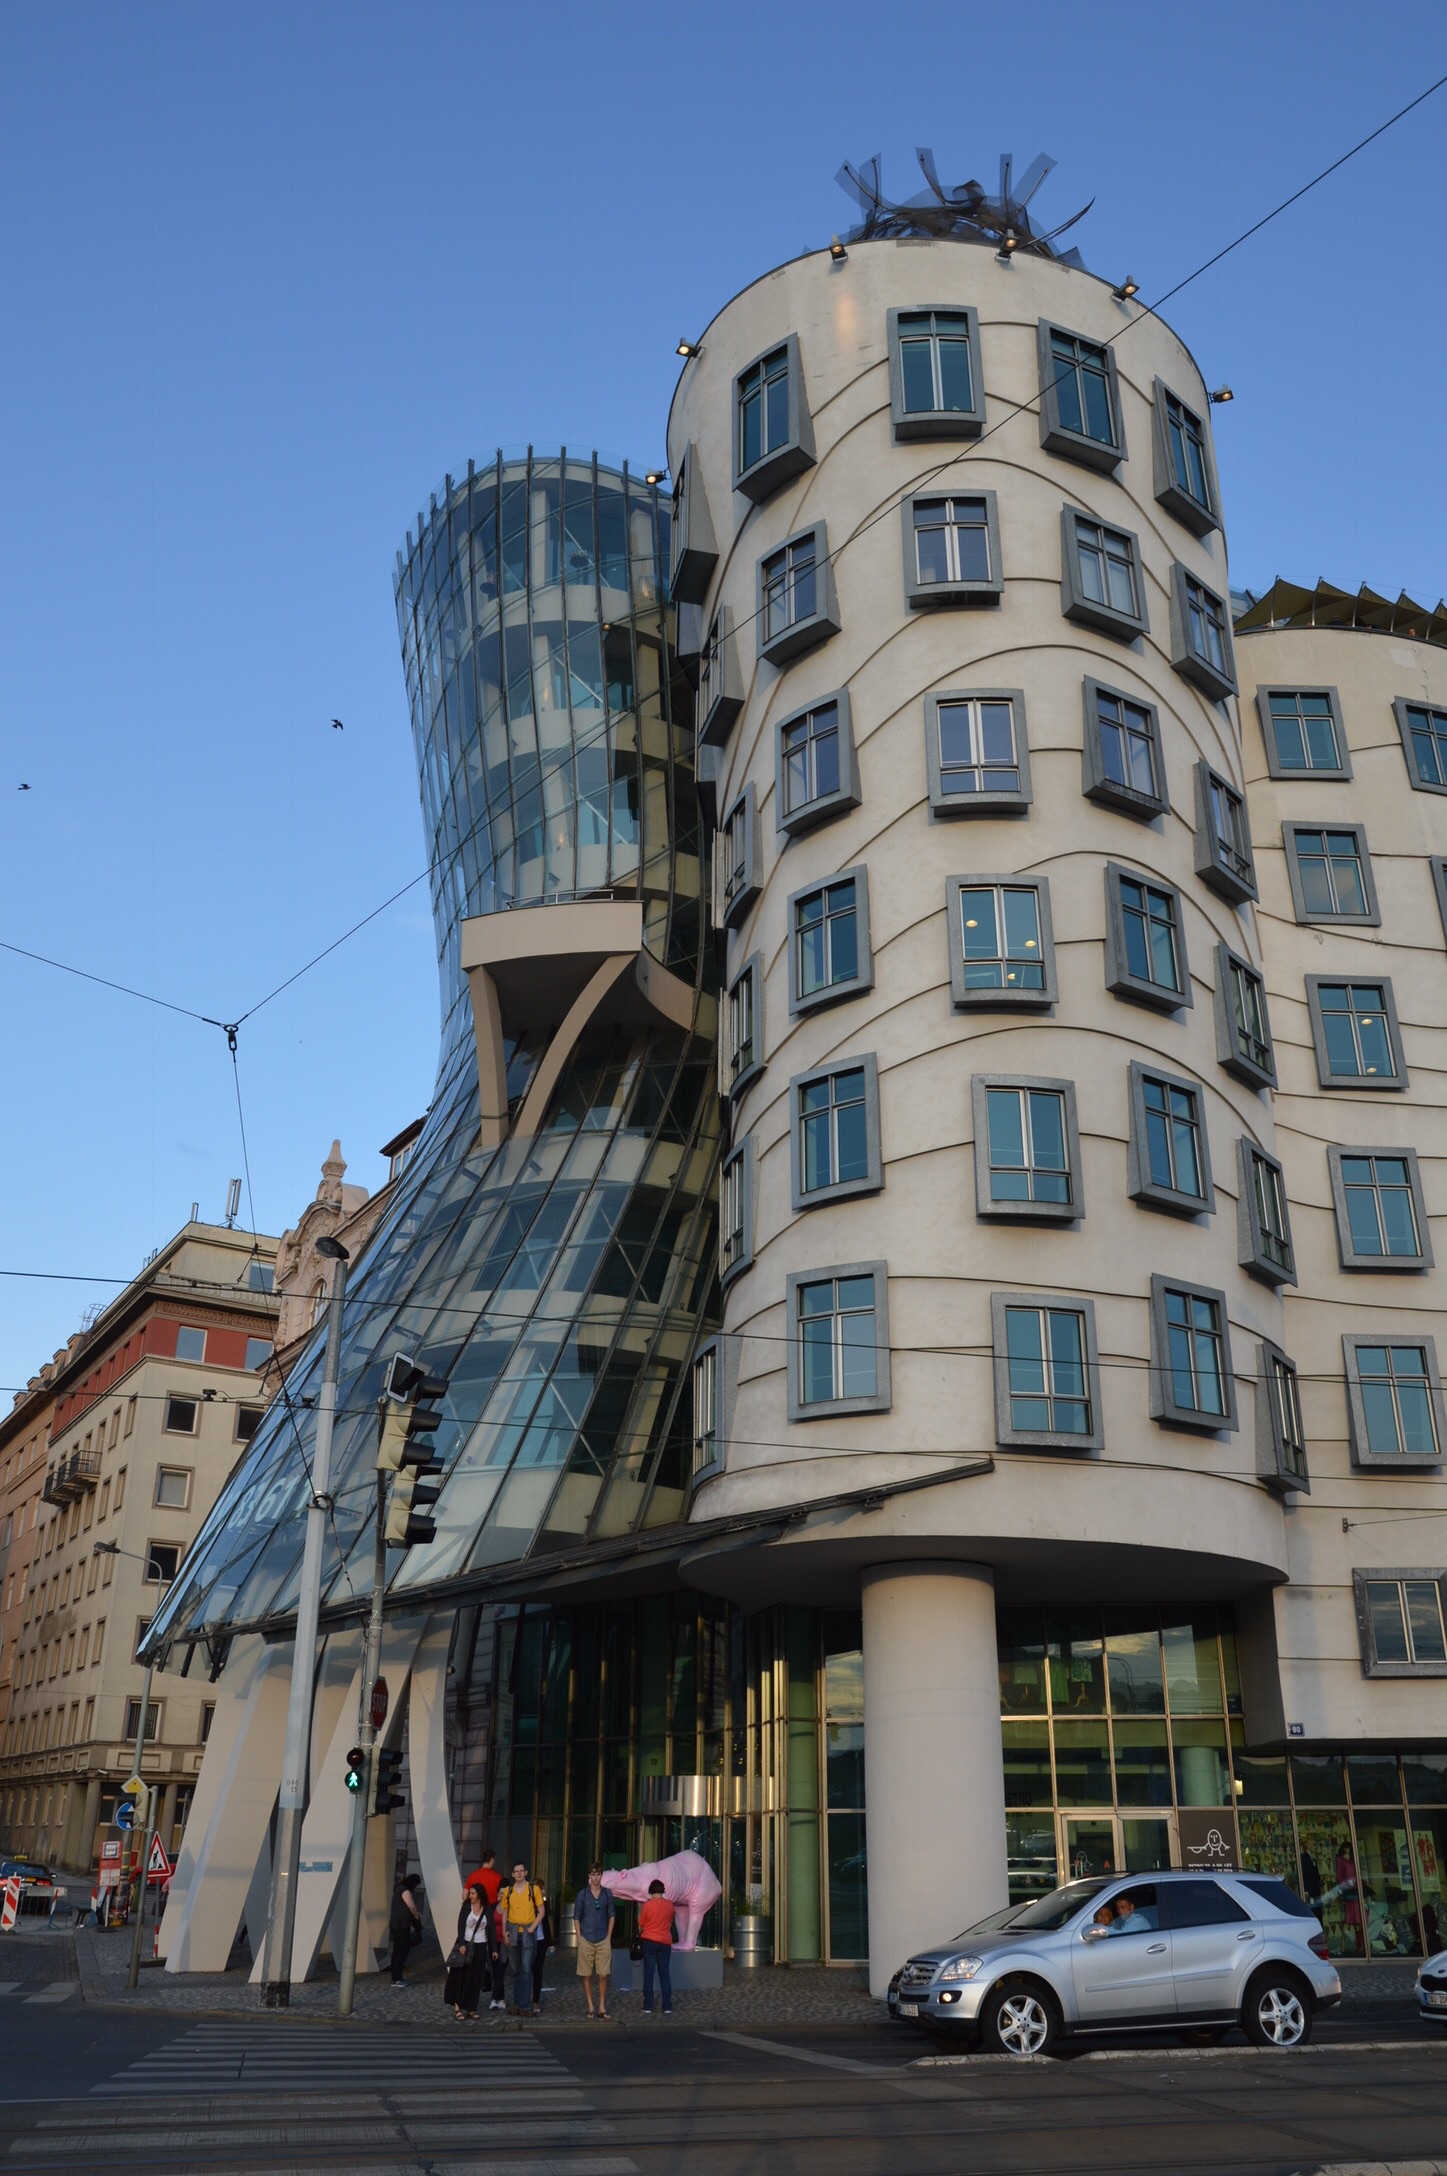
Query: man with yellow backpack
[520, 1908]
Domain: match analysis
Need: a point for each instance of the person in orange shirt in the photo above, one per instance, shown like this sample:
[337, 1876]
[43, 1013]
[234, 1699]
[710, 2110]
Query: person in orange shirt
[655, 1932]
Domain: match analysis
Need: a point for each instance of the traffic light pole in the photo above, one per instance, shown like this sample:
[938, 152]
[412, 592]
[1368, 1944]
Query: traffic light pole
[367, 1738]
[281, 1923]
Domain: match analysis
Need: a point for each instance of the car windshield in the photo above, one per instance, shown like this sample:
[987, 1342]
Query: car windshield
[1045, 1914]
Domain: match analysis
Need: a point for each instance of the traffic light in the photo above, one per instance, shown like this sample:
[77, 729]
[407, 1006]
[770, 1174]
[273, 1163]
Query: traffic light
[356, 1770]
[411, 1415]
[388, 1796]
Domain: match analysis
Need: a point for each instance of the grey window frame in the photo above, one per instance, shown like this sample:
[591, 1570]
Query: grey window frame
[1058, 437]
[929, 596]
[1274, 764]
[1363, 1457]
[1200, 518]
[752, 971]
[1401, 704]
[730, 911]
[1025, 1212]
[1007, 1436]
[773, 469]
[1228, 1049]
[710, 1350]
[834, 1408]
[846, 795]
[811, 628]
[741, 1159]
[976, 804]
[1251, 1234]
[935, 422]
[1438, 865]
[1088, 611]
[1353, 1083]
[1095, 782]
[802, 1197]
[863, 979]
[717, 712]
[1389, 1263]
[694, 549]
[994, 1000]
[1273, 1461]
[175, 1397]
[1163, 1405]
[1139, 1183]
[1372, 914]
[1212, 864]
[1118, 975]
[1186, 660]
[1395, 1575]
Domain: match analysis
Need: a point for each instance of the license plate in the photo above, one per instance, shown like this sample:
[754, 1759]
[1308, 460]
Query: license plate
[911, 2009]
[1437, 2000]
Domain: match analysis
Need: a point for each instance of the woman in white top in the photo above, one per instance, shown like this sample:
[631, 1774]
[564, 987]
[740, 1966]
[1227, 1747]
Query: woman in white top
[467, 1961]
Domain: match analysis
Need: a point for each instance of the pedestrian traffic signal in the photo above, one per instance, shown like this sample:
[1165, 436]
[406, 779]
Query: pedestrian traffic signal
[388, 1796]
[356, 1770]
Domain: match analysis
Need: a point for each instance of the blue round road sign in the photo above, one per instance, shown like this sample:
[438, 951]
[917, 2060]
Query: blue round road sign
[126, 1814]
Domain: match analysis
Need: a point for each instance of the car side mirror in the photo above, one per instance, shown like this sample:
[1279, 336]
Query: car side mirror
[1093, 1933]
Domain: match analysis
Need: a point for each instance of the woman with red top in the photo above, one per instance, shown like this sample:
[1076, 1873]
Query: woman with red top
[655, 1932]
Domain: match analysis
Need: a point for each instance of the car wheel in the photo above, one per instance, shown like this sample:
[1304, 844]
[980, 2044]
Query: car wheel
[1277, 2011]
[1019, 2019]
[1202, 2036]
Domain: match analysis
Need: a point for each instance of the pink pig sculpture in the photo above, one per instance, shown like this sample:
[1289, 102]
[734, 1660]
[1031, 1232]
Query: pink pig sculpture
[689, 1882]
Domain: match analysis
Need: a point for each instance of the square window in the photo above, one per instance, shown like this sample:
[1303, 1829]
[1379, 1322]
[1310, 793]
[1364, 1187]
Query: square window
[180, 1416]
[1168, 1156]
[133, 1719]
[835, 1141]
[1223, 836]
[1001, 946]
[705, 1408]
[797, 604]
[840, 1340]
[1355, 1034]
[976, 752]
[162, 1561]
[1263, 1222]
[1201, 636]
[773, 430]
[260, 1277]
[1330, 872]
[248, 1420]
[1243, 1029]
[208, 1717]
[258, 1354]
[190, 1344]
[1400, 1622]
[1145, 944]
[1192, 1385]
[1280, 1435]
[736, 861]
[829, 949]
[1027, 1148]
[694, 551]
[1381, 1217]
[1122, 764]
[952, 549]
[1394, 1401]
[817, 776]
[173, 1483]
[1100, 576]
[1424, 744]
[1047, 1372]
[1185, 478]
[1303, 732]
[741, 1047]
[720, 688]
[735, 1224]
[935, 385]
[1079, 399]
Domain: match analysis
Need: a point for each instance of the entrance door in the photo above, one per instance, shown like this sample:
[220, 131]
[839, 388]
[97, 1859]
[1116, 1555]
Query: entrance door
[1115, 1843]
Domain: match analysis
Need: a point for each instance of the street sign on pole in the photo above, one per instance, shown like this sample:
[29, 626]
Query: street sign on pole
[379, 1703]
[125, 1814]
[158, 1864]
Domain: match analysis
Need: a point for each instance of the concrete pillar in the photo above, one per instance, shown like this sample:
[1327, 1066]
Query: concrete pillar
[89, 1821]
[167, 1820]
[802, 1661]
[934, 1777]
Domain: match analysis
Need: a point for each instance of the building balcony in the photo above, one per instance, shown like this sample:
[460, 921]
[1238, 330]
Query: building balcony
[71, 1477]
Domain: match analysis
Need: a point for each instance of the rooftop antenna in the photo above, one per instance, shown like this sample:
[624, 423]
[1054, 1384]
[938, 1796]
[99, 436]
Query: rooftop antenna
[233, 1203]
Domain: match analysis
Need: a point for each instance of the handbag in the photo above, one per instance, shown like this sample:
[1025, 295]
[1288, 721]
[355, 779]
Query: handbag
[459, 1954]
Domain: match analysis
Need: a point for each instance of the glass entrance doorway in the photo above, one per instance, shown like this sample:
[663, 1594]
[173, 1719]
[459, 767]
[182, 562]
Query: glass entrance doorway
[1114, 1843]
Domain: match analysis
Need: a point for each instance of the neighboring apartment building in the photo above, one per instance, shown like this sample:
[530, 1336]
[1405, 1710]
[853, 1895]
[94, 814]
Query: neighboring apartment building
[338, 1211]
[24, 1449]
[145, 1414]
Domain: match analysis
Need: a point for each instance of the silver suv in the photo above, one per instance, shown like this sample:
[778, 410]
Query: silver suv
[1195, 1951]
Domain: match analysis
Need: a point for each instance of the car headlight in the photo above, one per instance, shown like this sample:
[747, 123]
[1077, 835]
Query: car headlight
[961, 1968]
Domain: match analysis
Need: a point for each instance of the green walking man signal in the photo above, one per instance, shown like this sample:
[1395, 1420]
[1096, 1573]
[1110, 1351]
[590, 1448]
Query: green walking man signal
[411, 1416]
[356, 1769]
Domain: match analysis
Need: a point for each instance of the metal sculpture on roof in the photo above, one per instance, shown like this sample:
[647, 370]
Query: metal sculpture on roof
[967, 213]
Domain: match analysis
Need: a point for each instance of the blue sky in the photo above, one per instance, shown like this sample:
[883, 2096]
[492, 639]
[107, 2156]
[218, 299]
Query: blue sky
[269, 271]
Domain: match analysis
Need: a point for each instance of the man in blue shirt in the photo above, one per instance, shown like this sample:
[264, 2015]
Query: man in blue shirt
[593, 1915]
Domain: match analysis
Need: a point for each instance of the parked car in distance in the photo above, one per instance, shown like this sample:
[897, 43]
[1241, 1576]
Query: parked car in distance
[1432, 1988]
[1197, 1952]
[38, 1883]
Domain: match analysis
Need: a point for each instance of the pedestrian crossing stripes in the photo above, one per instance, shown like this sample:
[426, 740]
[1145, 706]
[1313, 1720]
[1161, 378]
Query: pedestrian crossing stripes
[300, 2058]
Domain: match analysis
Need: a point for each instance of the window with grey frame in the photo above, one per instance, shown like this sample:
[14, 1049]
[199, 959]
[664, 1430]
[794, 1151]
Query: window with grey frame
[1381, 1216]
[1223, 836]
[1394, 1401]
[694, 551]
[1101, 584]
[952, 548]
[1145, 943]
[1079, 398]
[1263, 1218]
[817, 774]
[835, 1138]
[736, 861]
[1027, 1148]
[935, 386]
[1438, 866]
[840, 1336]
[1243, 1027]
[743, 1037]
[705, 1408]
[1304, 733]
[1121, 762]
[1002, 950]
[1400, 1622]
[1047, 1372]
[720, 690]
[773, 432]
[1192, 1385]
[797, 605]
[976, 752]
[1280, 1430]
[1354, 1033]
[1184, 470]
[1201, 649]
[736, 1207]
[829, 948]
[1330, 872]
[1168, 1156]
[1424, 743]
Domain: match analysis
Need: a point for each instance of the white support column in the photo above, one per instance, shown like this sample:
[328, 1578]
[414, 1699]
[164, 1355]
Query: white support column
[427, 1773]
[934, 1772]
